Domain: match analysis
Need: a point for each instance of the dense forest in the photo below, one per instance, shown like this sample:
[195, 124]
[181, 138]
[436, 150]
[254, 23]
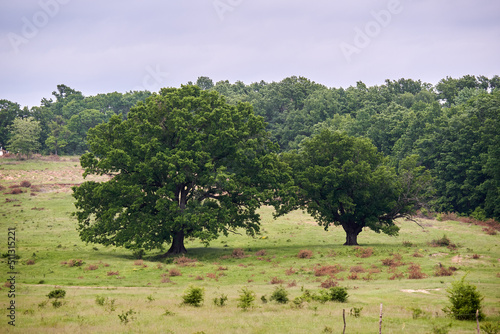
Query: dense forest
[453, 127]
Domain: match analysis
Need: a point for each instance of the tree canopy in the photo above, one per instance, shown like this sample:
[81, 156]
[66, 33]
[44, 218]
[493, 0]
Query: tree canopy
[345, 181]
[183, 164]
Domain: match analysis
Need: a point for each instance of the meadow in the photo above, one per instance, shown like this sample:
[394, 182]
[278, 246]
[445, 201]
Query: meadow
[116, 290]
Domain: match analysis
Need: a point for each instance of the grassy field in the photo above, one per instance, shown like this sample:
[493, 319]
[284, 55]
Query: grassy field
[109, 289]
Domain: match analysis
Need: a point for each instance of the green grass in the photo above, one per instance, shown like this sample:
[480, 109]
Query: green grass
[46, 234]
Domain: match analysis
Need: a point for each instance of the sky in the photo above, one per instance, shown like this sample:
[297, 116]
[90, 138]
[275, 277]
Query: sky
[102, 46]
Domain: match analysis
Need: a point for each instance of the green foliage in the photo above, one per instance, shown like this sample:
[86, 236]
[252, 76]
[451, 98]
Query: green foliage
[57, 303]
[465, 300]
[417, 312]
[24, 136]
[57, 293]
[436, 329]
[193, 296]
[490, 328]
[221, 300]
[186, 164]
[355, 312]
[280, 295]
[334, 294]
[126, 317]
[246, 299]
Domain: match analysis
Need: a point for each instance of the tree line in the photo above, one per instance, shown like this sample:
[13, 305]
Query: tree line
[451, 129]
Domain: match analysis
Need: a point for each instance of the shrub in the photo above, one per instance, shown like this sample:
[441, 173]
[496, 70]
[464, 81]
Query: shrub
[353, 276]
[465, 301]
[58, 293]
[363, 252]
[443, 271]
[247, 297]
[280, 295]
[476, 256]
[174, 272]
[290, 271]
[327, 270]
[415, 272]
[355, 312]
[443, 242]
[490, 328]
[56, 303]
[16, 191]
[441, 329]
[490, 230]
[124, 317]
[100, 300]
[238, 253]
[417, 312]
[305, 254]
[262, 252]
[221, 300]
[30, 262]
[329, 283]
[276, 280]
[357, 269]
[75, 263]
[91, 267]
[335, 294]
[193, 296]
[25, 184]
[184, 261]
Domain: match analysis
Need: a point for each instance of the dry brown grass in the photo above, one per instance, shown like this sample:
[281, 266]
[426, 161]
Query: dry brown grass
[327, 270]
[276, 280]
[184, 261]
[363, 252]
[305, 254]
[174, 272]
[329, 283]
[415, 272]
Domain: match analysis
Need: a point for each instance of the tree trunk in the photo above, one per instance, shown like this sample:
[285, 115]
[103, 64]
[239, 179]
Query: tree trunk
[352, 230]
[177, 246]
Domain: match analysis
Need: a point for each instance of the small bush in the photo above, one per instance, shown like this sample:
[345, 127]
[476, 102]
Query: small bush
[305, 254]
[184, 261]
[174, 272]
[335, 294]
[441, 329]
[125, 317]
[75, 263]
[16, 191]
[193, 296]
[58, 293]
[443, 242]
[363, 252]
[221, 300]
[443, 271]
[490, 230]
[327, 270]
[57, 303]
[490, 328]
[238, 253]
[415, 272]
[25, 184]
[280, 295]
[465, 300]
[329, 283]
[100, 300]
[357, 269]
[276, 280]
[262, 252]
[30, 262]
[355, 312]
[476, 256]
[91, 267]
[247, 297]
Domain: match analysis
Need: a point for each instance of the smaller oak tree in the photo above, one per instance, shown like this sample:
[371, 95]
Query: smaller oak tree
[344, 181]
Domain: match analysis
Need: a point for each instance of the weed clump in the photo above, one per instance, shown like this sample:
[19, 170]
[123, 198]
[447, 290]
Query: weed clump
[25, 184]
[221, 300]
[329, 283]
[174, 272]
[443, 242]
[327, 270]
[238, 253]
[415, 272]
[276, 280]
[363, 252]
[443, 271]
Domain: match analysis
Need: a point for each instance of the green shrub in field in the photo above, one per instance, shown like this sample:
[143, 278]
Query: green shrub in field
[125, 317]
[246, 299]
[490, 328]
[58, 293]
[280, 295]
[221, 300]
[335, 294]
[441, 329]
[194, 296]
[465, 301]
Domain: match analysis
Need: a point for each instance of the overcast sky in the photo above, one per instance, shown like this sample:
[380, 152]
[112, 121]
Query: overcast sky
[101, 46]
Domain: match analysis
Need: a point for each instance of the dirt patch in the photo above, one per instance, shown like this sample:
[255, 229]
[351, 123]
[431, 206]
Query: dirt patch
[426, 291]
[456, 259]
[438, 254]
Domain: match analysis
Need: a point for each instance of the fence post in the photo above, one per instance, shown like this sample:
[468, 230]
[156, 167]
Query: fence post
[380, 321]
[477, 321]
[343, 316]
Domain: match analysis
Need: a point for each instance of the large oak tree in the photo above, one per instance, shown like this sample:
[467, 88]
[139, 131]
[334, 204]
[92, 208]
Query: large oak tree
[345, 181]
[183, 164]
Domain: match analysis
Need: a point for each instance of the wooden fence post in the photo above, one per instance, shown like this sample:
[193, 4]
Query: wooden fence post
[380, 321]
[477, 321]
[343, 316]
